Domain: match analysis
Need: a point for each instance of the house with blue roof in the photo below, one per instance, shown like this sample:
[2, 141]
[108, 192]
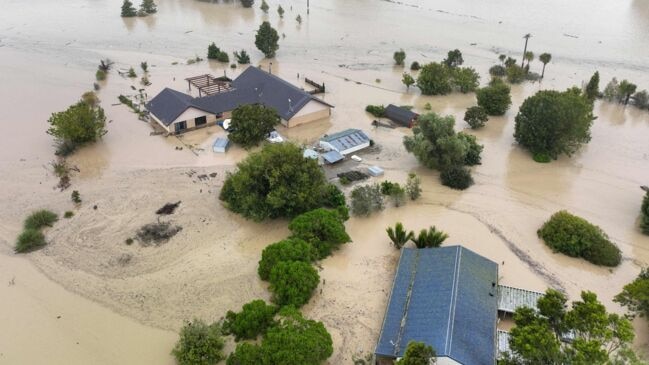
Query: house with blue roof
[446, 297]
[177, 112]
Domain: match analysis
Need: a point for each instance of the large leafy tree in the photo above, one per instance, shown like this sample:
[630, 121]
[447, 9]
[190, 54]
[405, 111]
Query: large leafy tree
[267, 40]
[252, 123]
[81, 123]
[635, 295]
[275, 182]
[465, 79]
[255, 317]
[495, 98]
[128, 10]
[293, 283]
[596, 336]
[286, 250]
[434, 79]
[453, 58]
[199, 344]
[417, 353]
[551, 123]
[322, 228]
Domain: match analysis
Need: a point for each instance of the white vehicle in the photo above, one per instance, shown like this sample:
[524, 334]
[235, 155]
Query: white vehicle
[356, 158]
[274, 137]
[226, 124]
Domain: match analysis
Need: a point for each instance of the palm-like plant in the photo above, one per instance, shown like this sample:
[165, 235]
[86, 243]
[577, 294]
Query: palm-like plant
[529, 57]
[399, 236]
[545, 58]
[430, 237]
[527, 38]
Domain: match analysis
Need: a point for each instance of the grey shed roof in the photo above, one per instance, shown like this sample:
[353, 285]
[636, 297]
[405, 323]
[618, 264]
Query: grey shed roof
[168, 105]
[332, 157]
[251, 87]
[446, 298]
[400, 115]
[346, 139]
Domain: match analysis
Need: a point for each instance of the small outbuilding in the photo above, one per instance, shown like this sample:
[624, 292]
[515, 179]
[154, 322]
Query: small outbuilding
[401, 116]
[332, 157]
[345, 142]
[446, 297]
[375, 171]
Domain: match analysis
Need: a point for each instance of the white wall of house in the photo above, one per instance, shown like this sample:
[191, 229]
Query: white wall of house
[189, 117]
[313, 110]
[446, 361]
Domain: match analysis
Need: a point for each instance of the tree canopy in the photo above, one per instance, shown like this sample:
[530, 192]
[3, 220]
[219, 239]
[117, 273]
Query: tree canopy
[81, 123]
[434, 79]
[291, 249]
[495, 98]
[252, 123]
[128, 10]
[476, 117]
[267, 40]
[199, 344]
[635, 295]
[417, 353]
[255, 317]
[399, 56]
[293, 282]
[453, 58]
[592, 88]
[322, 228]
[551, 123]
[275, 182]
[576, 237]
[597, 336]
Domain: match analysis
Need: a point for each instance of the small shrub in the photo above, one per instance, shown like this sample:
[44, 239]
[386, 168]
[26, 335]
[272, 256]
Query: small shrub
[100, 75]
[430, 237]
[253, 320]
[413, 188]
[29, 240]
[457, 177]
[398, 196]
[399, 56]
[75, 197]
[366, 199]
[144, 66]
[293, 283]
[644, 222]
[415, 66]
[427, 106]
[39, 219]
[515, 74]
[345, 180]
[223, 57]
[388, 187]
[576, 237]
[497, 71]
[246, 354]
[398, 235]
[131, 73]
[129, 241]
[286, 250]
[68, 214]
[332, 197]
[199, 344]
[476, 117]
[322, 228]
[242, 57]
[157, 233]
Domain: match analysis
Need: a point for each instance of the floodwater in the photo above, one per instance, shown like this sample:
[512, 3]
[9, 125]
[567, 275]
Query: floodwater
[48, 57]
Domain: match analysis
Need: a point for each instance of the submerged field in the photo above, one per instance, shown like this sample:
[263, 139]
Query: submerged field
[90, 298]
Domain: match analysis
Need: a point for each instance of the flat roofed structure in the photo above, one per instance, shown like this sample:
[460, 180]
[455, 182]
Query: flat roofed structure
[510, 298]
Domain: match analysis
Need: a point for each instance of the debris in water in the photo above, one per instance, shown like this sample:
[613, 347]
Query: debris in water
[168, 208]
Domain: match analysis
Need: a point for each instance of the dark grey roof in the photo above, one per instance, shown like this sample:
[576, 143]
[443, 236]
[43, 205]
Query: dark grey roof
[252, 86]
[168, 105]
[445, 297]
[346, 139]
[400, 115]
[332, 157]
[274, 92]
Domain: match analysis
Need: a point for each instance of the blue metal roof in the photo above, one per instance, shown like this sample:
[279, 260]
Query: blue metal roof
[332, 157]
[447, 298]
[346, 139]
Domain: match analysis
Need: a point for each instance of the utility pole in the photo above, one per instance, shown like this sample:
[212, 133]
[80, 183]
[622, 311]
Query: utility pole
[307, 7]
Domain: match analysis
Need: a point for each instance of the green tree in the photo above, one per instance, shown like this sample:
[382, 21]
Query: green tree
[527, 38]
[29, 240]
[398, 235]
[322, 228]
[399, 56]
[497, 71]
[576, 237]
[476, 117]
[366, 199]
[296, 341]
[545, 58]
[280, 11]
[255, 317]
[264, 6]
[417, 353]
[626, 90]
[247, 3]
[465, 79]
[453, 58]
[148, 7]
[293, 282]
[552, 123]
[407, 80]
[128, 10]
[529, 57]
[473, 149]
[415, 66]
[612, 91]
[266, 40]
[644, 214]
[286, 250]
[456, 177]
[199, 344]
[413, 188]
[242, 58]
[78, 125]
[592, 89]
[641, 99]
[275, 182]
[252, 123]
[434, 79]
[495, 98]
[635, 295]
[430, 237]
[246, 354]
[515, 74]
[131, 73]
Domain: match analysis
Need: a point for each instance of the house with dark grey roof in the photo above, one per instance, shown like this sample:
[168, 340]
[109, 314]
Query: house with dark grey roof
[345, 142]
[177, 112]
[447, 298]
[401, 116]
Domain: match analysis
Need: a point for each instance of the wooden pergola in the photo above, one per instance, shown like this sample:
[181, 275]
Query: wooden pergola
[208, 84]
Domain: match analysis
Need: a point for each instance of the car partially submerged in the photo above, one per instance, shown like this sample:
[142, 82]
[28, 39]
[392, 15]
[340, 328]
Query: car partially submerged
[274, 137]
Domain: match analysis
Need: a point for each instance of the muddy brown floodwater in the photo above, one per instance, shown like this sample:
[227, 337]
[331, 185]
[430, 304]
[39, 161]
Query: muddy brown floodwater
[89, 298]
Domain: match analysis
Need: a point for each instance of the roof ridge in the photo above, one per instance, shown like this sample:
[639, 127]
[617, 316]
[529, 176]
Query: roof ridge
[454, 292]
[404, 319]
